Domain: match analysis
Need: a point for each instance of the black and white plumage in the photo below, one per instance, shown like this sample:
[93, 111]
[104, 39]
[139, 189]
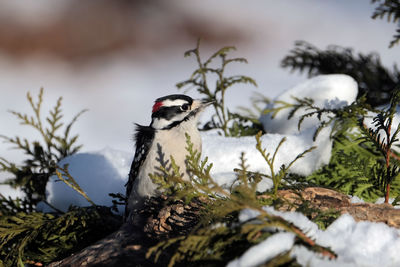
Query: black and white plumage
[144, 136]
[172, 117]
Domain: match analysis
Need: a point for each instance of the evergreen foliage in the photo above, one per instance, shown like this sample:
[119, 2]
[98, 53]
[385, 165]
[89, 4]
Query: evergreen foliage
[64, 175]
[43, 237]
[221, 236]
[362, 163]
[232, 124]
[29, 237]
[341, 119]
[9, 206]
[383, 138]
[43, 156]
[277, 177]
[258, 103]
[391, 10]
[350, 169]
[374, 80]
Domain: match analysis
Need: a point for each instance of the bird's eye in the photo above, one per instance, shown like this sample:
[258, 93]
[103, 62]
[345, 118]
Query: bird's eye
[185, 107]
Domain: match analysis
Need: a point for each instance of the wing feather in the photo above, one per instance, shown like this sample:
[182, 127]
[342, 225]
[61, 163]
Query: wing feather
[143, 138]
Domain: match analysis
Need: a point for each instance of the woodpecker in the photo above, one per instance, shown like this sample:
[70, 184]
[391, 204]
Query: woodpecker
[172, 116]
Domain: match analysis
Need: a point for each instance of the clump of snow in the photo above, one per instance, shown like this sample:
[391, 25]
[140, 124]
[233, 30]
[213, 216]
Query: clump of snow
[265, 250]
[381, 200]
[97, 173]
[224, 153]
[296, 218]
[355, 243]
[247, 214]
[356, 199]
[7, 191]
[327, 91]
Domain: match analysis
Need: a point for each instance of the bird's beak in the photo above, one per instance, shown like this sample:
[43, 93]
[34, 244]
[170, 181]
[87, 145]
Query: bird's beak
[200, 104]
[207, 103]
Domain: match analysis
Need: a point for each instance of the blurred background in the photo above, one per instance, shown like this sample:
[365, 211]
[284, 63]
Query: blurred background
[115, 57]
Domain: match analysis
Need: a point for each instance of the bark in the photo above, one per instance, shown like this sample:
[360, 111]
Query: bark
[325, 199]
[159, 220]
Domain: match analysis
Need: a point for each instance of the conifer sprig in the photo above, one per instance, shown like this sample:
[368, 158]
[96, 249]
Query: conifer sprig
[57, 146]
[277, 177]
[28, 237]
[64, 175]
[383, 138]
[374, 79]
[350, 169]
[252, 114]
[339, 118]
[43, 155]
[391, 10]
[44, 237]
[222, 118]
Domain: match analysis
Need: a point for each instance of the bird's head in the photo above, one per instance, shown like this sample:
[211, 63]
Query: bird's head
[169, 111]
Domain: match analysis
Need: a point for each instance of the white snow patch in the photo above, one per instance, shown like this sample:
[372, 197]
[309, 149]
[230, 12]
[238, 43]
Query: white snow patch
[328, 91]
[381, 200]
[297, 218]
[356, 244]
[356, 199]
[265, 250]
[97, 173]
[247, 214]
[7, 191]
[224, 152]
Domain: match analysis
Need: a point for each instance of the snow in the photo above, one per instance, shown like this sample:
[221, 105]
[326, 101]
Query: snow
[297, 219]
[368, 121]
[327, 91]
[363, 243]
[356, 199]
[221, 150]
[13, 193]
[355, 243]
[97, 173]
[265, 250]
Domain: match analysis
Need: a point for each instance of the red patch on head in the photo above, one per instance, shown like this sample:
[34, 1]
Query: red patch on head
[157, 106]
